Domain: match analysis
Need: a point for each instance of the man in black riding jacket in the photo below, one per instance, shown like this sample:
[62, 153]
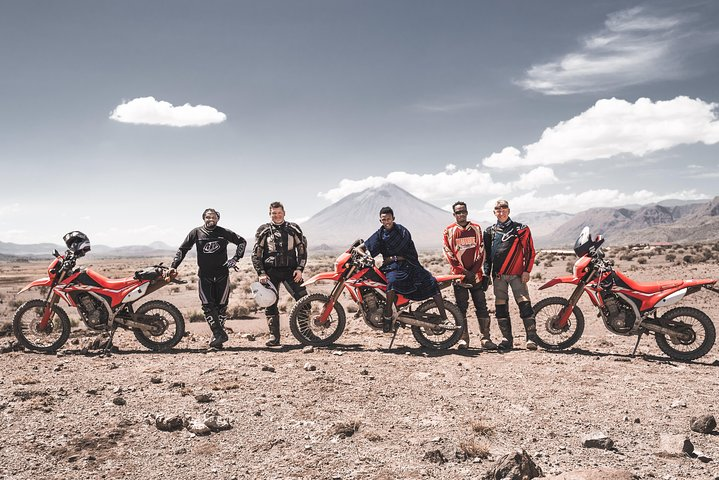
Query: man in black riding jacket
[279, 256]
[214, 288]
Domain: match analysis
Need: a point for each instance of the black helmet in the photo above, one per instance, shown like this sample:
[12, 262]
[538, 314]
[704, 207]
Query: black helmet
[77, 242]
[585, 245]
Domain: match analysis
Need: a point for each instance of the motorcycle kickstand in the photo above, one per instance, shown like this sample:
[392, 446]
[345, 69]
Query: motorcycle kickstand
[108, 346]
[636, 345]
[394, 335]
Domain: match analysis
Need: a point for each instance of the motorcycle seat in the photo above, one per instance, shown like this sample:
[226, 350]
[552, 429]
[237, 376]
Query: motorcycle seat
[649, 287]
[110, 283]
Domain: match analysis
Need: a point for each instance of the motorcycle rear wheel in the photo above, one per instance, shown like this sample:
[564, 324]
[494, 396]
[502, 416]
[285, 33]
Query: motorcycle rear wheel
[549, 335]
[173, 325]
[305, 325]
[25, 323]
[692, 321]
[439, 338]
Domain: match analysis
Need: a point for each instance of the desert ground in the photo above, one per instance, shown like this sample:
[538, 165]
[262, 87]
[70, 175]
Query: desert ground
[357, 409]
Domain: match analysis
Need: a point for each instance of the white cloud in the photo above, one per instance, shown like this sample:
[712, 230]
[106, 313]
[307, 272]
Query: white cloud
[10, 209]
[129, 236]
[445, 184]
[634, 47]
[148, 111]
[577, 202]
[616, 127]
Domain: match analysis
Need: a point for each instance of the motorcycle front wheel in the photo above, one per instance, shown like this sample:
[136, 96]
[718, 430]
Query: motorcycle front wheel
[305, 321]
[550, 335]
[696, 333]
[168, 323]
[26, 327]
[439, 338]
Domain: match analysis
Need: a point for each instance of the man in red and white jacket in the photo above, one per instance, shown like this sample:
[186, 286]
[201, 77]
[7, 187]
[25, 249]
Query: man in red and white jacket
[464, 250]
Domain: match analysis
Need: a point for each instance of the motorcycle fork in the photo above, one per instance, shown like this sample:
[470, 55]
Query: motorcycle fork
[51, 299]
[574, 298]
[336, 292]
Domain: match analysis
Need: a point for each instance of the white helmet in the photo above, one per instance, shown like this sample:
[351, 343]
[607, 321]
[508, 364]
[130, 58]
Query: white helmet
[265, 294]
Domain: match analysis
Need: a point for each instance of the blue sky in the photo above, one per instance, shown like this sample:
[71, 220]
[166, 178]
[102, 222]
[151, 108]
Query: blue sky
[127, 119]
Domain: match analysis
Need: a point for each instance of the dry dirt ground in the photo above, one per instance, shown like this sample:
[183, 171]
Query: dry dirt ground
[357, 410]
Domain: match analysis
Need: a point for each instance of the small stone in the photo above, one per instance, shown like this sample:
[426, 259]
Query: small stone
[155, 380]
[308, 349]
[204, 398]
[679, 404]
[267, 368]
[674, 446]
[217, 423]
[309, 367]
[180, 451]
[249, 337]
[703, 424]
[339, 353]
[434, 456]
[364, 372]
[169, 424]
[515, 465]
[597, 440]
[119, 401]
[198, 427]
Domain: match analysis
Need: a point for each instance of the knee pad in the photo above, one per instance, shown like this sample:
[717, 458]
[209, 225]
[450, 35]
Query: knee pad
[502, 310]
[526, 310]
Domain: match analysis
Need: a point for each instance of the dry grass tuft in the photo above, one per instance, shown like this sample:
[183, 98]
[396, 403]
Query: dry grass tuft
[470, 449]
[480, 427]
[345, 429]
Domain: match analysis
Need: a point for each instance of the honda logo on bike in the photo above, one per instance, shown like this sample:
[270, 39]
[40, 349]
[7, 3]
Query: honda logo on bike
[211, 247]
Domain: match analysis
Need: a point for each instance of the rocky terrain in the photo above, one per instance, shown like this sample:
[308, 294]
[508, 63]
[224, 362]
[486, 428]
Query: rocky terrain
[358, 409]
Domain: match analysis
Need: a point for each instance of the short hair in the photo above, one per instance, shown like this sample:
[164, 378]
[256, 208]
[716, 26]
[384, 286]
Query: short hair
[210, 210]
[459, 203]
[385, 210]
[501, 203]
[277, 205]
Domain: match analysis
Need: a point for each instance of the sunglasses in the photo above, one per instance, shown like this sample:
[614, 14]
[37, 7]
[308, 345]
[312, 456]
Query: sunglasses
[460, 212]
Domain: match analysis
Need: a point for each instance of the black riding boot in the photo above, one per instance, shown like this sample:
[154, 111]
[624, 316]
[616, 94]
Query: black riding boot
[505, 327]
[219, 336]
[273, 323]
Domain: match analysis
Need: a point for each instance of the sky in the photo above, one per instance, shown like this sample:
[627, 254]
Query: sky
[127, 119]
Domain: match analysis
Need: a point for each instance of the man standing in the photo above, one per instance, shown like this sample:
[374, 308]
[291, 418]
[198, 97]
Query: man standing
[464, 250]
[508, 261]
[214, 288]
[280, 256]
[401, 265]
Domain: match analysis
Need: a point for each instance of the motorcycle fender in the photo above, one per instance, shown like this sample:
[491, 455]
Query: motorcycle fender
[672, 298]
[40, 282]
[321, 276]
[136, 293]
[558, 280]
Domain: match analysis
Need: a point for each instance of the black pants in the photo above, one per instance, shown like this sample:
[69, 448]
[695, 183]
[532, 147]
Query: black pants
[462, 294]
[214, 295]
[284, 276]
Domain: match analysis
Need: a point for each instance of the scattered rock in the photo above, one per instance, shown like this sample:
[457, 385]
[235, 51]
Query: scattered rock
[198, 427]
[703, 424]
[699, 455]
[170, 423]
[597, 440]
[674, 446]
[435, 456]
[678, 404]
[267, 368]
[248, 336]
[155, 380]
[364, 372]
[204, 398]
[517, 465]
[308, 349]
[119, 401]
[309, 367]
[339, 353]
[216, 423]
[595, 474]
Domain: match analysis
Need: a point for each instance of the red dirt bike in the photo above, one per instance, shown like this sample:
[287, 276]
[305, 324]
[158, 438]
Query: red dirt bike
[627, 307]
[319, 320]
[103, 304]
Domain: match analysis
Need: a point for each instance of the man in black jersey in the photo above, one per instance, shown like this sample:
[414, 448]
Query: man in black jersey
[211, 241]
[280, 256]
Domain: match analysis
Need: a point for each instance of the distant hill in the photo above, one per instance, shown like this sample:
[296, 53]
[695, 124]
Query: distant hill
[357, 216]
[155, 249]
[680, 223]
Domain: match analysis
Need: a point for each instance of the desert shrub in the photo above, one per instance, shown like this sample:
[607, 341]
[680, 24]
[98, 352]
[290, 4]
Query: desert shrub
[569, 267]
[548, 263]
[345, 429]
[238, 311]
[470, 449]
[196, 317]
[481, 427]
[670, 257]
[175, 290]
[537, 276]
[14, 304]
[688, 259]
[641, 260]
[715, 247]
[351, 307]
[707, 254]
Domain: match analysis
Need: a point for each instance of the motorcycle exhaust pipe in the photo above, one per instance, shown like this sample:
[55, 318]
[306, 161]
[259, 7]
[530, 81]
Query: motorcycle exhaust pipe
[411, 320]
[653, 327]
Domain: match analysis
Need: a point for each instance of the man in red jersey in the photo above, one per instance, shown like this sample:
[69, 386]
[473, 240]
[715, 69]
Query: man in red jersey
[464, 250]
[509, 259]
